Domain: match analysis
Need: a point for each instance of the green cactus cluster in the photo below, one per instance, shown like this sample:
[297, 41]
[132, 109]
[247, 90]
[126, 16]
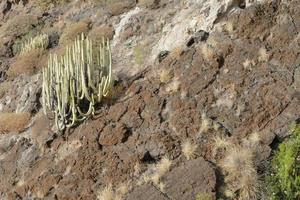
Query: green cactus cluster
[75, 82]
[38, 42]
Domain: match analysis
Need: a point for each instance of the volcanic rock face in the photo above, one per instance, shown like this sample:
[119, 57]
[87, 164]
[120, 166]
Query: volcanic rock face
[224, 76]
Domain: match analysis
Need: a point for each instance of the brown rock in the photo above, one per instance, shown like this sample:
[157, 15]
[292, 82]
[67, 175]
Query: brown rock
[190, 179]
[113, 134]
[146, 192]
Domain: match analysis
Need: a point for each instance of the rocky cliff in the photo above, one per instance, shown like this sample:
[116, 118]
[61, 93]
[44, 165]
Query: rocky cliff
[204, 90]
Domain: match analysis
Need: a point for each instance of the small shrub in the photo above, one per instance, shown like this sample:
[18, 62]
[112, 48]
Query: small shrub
[284, 181]
[10, 122]
[27, 63]
[72, 31]
[19, 25]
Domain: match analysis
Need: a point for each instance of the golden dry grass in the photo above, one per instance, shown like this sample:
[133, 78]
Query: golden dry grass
[111, 193]
[206, 124]
[189, 149]
[73, 30]
[10, 122]
[28, 63]
[165, 76]
[241, 175]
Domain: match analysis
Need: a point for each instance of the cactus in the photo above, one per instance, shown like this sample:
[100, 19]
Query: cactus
[40, 41]
[83, 75]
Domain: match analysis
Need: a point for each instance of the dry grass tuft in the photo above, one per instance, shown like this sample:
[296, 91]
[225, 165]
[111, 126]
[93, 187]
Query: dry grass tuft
[237, 159]
[173, 86]
[263, 55]
[109, 193]
[10, 122]
[189, 149]
[123, 189]
[106, 194]
[156, 174]
[206, 124]
[72, 31]
[165, 76]
[208, 52]
[241, 176]
[28, 63]
[163, 166]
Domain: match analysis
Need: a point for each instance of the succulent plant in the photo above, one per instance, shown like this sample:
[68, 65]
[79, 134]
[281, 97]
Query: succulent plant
[75, 82]
[38, 42]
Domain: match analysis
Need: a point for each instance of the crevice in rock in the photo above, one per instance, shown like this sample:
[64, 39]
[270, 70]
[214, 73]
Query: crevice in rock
[148, 158]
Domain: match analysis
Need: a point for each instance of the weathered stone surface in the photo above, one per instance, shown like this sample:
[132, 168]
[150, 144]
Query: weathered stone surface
[146, 192]
[191, 178]
[243, 78]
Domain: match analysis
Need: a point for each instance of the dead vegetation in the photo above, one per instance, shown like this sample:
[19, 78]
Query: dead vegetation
[28, 63]
[10, 122]
[111, 193]
[238, 166]
[73, 30]
[19, 25]
[189, 149]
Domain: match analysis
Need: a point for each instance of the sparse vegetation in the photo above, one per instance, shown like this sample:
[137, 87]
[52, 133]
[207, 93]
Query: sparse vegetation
[73, 30]
[27, 63]
[188, 149]
[165, 76]
[109, 193]
[20, 25]
[206, 124]
[154, 176]
[284, 180]
[10, 122]
[241, 174]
